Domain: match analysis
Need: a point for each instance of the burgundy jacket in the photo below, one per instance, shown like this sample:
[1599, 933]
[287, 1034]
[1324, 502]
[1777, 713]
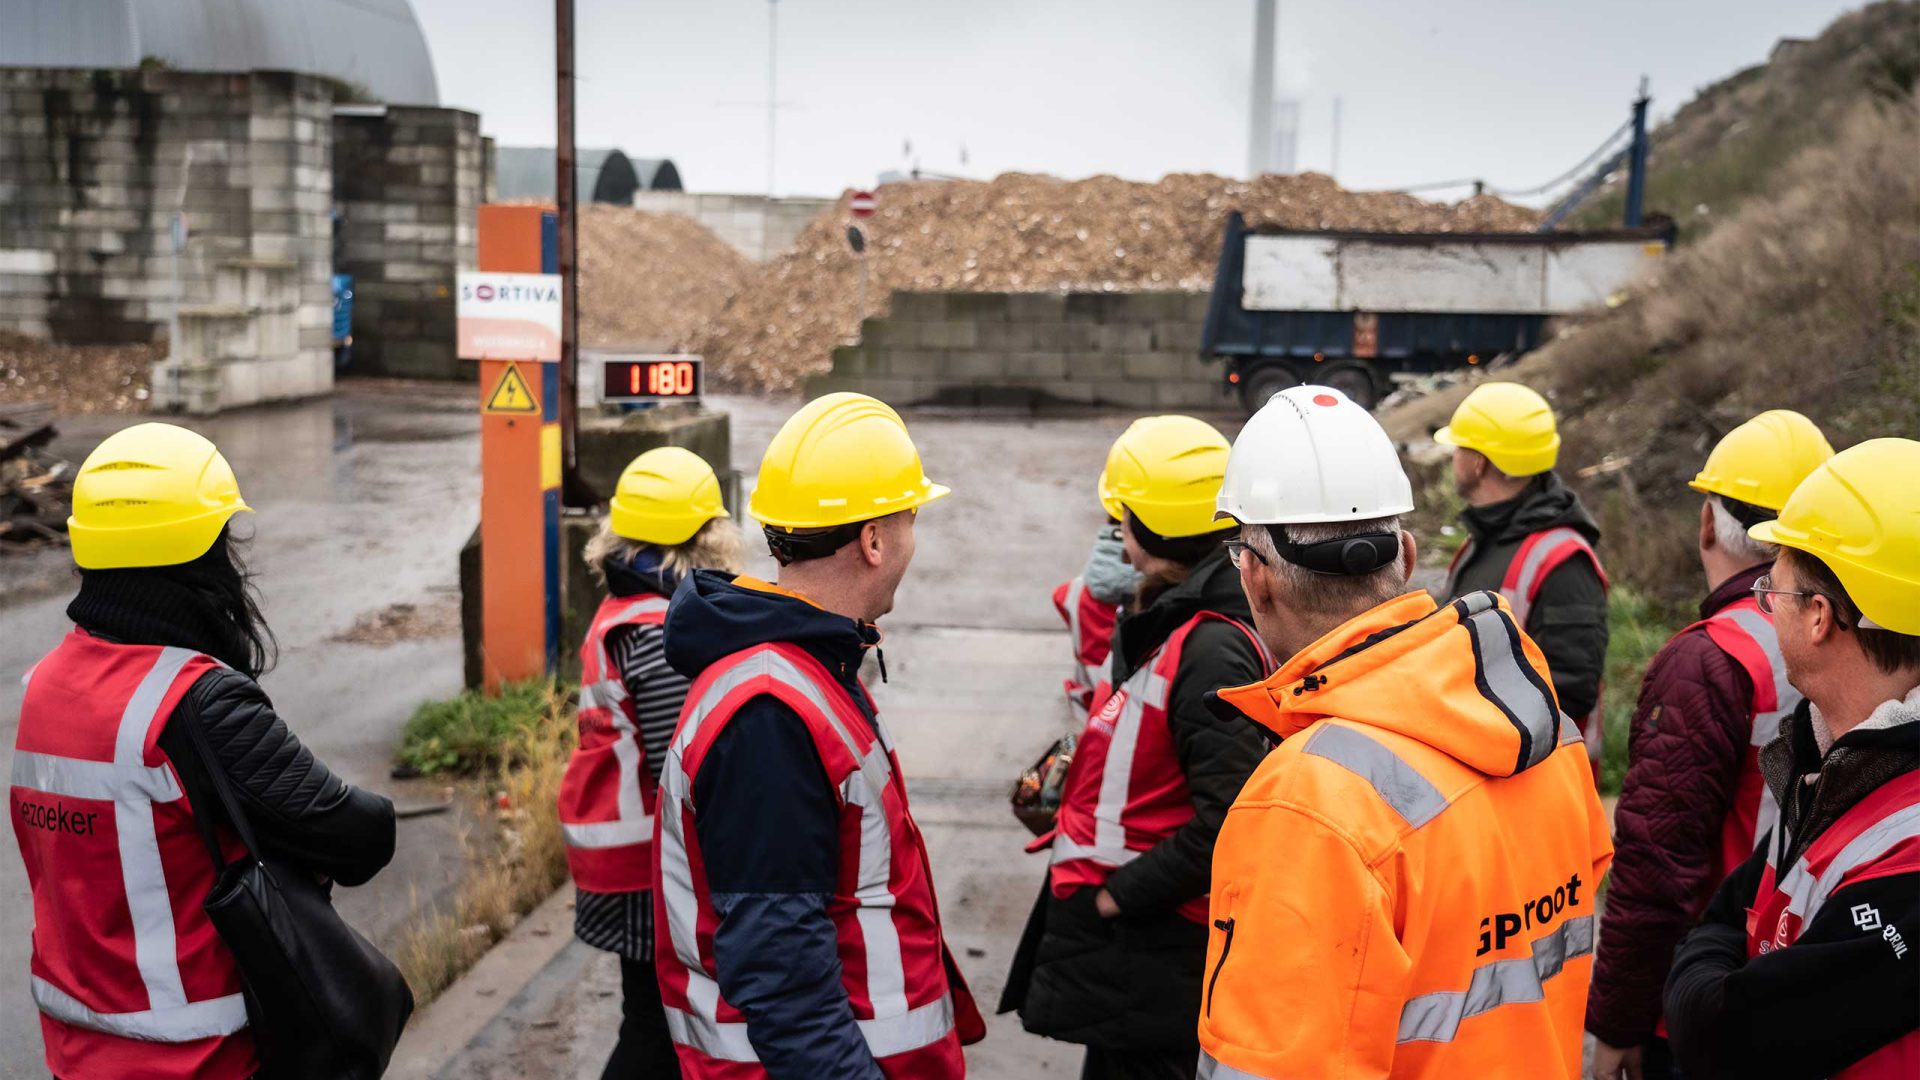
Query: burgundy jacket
[1690, 733]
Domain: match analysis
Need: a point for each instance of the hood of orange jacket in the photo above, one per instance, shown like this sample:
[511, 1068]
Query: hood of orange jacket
[1403, 666]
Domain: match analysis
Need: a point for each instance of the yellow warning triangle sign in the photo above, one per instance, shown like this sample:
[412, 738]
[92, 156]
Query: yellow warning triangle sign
[511, 394]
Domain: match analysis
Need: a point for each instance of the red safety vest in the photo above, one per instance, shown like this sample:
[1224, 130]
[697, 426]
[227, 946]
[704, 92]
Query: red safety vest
[1125, 791]
[1746, 634]
[1878, 837]
[127, 971]
[905, 990]
[607, 795]
[1090, 624]
[1541, 554]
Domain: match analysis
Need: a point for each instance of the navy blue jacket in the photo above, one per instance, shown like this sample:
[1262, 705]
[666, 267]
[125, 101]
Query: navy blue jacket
[768, 826]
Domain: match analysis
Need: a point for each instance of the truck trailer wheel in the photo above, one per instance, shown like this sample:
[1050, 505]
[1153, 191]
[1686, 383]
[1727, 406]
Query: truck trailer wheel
[1353, 380]
[1263, 382]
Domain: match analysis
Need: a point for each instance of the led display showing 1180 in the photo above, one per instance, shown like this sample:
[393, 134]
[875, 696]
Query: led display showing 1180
[651, 378]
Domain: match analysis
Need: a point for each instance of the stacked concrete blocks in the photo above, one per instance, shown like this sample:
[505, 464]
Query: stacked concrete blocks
[407, 182]
[1136, 350]
[754, 225]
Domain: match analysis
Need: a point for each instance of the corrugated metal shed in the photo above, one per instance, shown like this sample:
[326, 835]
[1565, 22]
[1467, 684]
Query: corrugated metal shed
[375, 45]
[608, 176]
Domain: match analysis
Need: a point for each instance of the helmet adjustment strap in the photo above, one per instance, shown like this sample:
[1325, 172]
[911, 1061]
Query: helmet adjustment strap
[789, 547]
[1346, 556]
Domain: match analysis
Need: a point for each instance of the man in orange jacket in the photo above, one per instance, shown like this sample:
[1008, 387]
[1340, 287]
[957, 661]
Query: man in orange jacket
[1405, 888]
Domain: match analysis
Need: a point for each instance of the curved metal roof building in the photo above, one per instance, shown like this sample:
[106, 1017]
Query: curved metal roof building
[375, 45]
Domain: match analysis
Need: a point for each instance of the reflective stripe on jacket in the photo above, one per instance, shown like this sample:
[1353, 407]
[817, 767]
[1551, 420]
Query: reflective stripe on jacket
[900, 980]
[1746, 634]
[1539, 555]
[1878, 837]
[1090, 628]
[1125, 790]
[607, 795]
[127, 970]
[1405, 887]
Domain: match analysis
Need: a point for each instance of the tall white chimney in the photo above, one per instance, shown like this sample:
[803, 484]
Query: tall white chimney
[1266, 17]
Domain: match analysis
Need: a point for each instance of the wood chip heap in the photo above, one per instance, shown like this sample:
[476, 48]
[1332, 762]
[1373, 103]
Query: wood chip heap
[650, 280]
[1026, 233]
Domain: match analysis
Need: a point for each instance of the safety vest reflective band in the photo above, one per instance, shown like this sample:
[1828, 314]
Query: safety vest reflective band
[894, 962]
[1878, 836]
[1090, 625]
[118, 869]
[1125, 791]
[607, 794]
[1746, 634]
[1539, 556]
[1437, 1017]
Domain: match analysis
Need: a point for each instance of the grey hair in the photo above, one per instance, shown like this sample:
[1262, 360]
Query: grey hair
[1732, 536]
[715, 547]
[1329, 594]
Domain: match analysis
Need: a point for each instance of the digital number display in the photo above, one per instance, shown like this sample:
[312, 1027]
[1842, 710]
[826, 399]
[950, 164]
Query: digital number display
[651, 378]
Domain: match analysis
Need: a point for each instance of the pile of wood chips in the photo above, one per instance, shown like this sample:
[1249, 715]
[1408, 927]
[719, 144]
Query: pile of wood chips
[1030, 233]
[75, 379]
[650, 281]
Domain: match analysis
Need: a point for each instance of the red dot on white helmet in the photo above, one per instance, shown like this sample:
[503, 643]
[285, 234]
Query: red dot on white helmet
[1325, 399]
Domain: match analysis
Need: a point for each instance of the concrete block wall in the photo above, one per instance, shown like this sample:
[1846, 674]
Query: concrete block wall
[1138, 350]
[94, 163]
[406, 184]
[754, 225]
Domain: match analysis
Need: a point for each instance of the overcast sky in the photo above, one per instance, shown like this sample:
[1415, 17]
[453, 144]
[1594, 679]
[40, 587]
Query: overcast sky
[1514, 91]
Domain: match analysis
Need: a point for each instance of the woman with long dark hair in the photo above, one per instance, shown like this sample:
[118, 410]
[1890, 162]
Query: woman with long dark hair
[113, 807]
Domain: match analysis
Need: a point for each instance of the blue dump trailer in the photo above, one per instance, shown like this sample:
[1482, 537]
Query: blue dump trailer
[1355, 310]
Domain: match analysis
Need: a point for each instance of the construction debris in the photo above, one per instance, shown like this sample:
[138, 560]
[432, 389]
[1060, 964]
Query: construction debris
[36, 488]
[650, 280]
[1025, 233]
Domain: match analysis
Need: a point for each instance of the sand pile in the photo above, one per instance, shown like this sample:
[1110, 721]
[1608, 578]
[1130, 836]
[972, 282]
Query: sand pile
[650, 280]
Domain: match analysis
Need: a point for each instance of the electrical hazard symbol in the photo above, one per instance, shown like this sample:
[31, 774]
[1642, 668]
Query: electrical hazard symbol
[512, 395]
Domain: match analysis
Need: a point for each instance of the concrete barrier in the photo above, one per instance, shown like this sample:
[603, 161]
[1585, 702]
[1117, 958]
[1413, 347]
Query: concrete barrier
[1137, 350]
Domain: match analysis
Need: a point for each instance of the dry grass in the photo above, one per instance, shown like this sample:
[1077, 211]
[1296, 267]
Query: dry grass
[508, 878]
[1808, 299]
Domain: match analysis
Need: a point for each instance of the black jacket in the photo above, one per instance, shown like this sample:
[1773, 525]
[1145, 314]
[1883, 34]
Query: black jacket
[1569, 617]
[768, 825]
[1134, 982]
[1842, 990]
[299, 810]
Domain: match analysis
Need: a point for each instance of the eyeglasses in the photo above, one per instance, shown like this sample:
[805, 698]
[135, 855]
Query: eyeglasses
[1238, 548]
[1764, 592]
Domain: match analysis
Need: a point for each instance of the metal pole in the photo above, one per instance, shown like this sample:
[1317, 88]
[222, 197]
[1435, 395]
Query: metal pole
[564, 196]
[1637, 160]
[773, 54]
[1266, 17]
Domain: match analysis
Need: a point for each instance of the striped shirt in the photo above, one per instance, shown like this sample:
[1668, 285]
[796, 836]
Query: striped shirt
[622, 923]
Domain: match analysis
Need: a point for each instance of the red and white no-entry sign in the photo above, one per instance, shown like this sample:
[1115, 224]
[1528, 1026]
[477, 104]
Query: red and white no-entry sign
[861, 204]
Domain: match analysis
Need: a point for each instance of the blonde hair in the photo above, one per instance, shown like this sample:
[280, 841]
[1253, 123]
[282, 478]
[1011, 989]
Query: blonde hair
[715, 547]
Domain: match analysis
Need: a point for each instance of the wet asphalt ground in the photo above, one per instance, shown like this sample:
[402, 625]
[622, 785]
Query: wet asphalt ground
[363, 501]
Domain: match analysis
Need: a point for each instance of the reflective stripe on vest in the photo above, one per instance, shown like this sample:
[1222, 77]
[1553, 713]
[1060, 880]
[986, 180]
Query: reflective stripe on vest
[134, 788]
[1125, 791]
[895, 1028]
[1539, 556]
[1746, 634]
[1211, 1069]
[607, 805]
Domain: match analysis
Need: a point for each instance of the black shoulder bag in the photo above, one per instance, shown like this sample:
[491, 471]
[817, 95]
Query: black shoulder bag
[324, 1004]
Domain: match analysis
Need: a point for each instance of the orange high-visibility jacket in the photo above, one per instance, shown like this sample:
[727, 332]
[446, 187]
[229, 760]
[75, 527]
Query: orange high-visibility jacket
[1405, 887]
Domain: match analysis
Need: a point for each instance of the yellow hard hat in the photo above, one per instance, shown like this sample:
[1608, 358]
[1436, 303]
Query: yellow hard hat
[1509, 423]
[1763, 460]
[1860, 514]
[151, 495]
[1167, 470]
[664, 496]
[842, 458]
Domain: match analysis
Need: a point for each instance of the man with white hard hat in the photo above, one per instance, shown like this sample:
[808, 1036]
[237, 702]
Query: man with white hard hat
[1406, 886]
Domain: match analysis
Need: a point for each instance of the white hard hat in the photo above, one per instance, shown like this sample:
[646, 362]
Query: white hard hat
[1312, 455]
